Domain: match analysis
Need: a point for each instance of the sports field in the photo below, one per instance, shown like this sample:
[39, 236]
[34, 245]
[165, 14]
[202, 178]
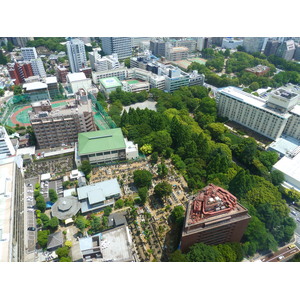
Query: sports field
[20, 115]
[199, 60]
[132, 81]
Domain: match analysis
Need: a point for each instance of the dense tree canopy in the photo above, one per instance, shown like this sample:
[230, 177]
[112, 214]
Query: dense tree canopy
[142, 178]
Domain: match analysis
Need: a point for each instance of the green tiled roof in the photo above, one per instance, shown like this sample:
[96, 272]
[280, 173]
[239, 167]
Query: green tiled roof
[100, 141]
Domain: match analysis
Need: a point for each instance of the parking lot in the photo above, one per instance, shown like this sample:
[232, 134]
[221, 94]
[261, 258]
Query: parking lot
[30, 214]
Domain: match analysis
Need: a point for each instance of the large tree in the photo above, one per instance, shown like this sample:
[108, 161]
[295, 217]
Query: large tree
[42, 238]
[142, 178]
[86, 167]
[163, 189]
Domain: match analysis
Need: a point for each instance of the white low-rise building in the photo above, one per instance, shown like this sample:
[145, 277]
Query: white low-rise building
[78, 81]
[290, 165]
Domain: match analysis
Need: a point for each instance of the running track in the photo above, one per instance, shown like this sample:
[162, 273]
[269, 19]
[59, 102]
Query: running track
[13, 118]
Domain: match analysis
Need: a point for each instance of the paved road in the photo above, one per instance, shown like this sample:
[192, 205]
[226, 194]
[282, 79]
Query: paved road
[285, 252]
[296, 215]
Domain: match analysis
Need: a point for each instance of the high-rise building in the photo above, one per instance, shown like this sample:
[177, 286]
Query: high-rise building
[60, 126]
[200, 43]
[217, 41]
[231, 43]
[297, 52]
[20, 41]
[286, 50]
[38, 67]
[19, 71]
[6, 146]
[213, 216]
[158, 47]
[120, 45]
[104, 63]
[76, 54]
[271, 47]
[253, 44]
[29, 53]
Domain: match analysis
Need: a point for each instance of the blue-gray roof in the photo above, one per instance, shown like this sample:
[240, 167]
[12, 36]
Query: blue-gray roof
[95, 196]
[106, 188]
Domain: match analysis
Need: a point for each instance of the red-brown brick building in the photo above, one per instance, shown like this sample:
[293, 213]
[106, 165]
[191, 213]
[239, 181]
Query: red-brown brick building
[20, 71]
[213, 217]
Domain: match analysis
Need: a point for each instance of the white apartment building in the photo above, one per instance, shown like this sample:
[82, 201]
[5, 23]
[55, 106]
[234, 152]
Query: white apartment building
[76, 54]
[293, 125]
[38, 67]
[108, 62]
[6, 146]
[251, 111]
[29, 53]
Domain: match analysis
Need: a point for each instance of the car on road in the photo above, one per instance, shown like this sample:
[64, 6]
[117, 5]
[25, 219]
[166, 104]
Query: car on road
[298, 220]
[281, 257]
[31, 228]
[294, 213]
[291, 246]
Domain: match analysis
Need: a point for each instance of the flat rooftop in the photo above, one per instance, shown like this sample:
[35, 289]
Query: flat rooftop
[296, 110]
[76, 76]
[116, 245]
[284, 145]
[70, 108]
[290, 167]
[110, 82]
[240, 95]
[51, 79]
[34, 86]
[284, 93]
[100, 141]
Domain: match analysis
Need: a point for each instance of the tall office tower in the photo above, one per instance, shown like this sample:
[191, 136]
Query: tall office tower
[29, 53]
[217, 41]
[120, 45]
[200, 43]
[38, 67]
[286, 50]
[297, 52]
[271, 47]
[6, 146]
[213, 217]
[136, 41]
[158, 47]
[76, 55]
[253, 44]
[207, 42]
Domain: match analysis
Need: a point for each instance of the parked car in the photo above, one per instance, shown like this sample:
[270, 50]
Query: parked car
[31, 228]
